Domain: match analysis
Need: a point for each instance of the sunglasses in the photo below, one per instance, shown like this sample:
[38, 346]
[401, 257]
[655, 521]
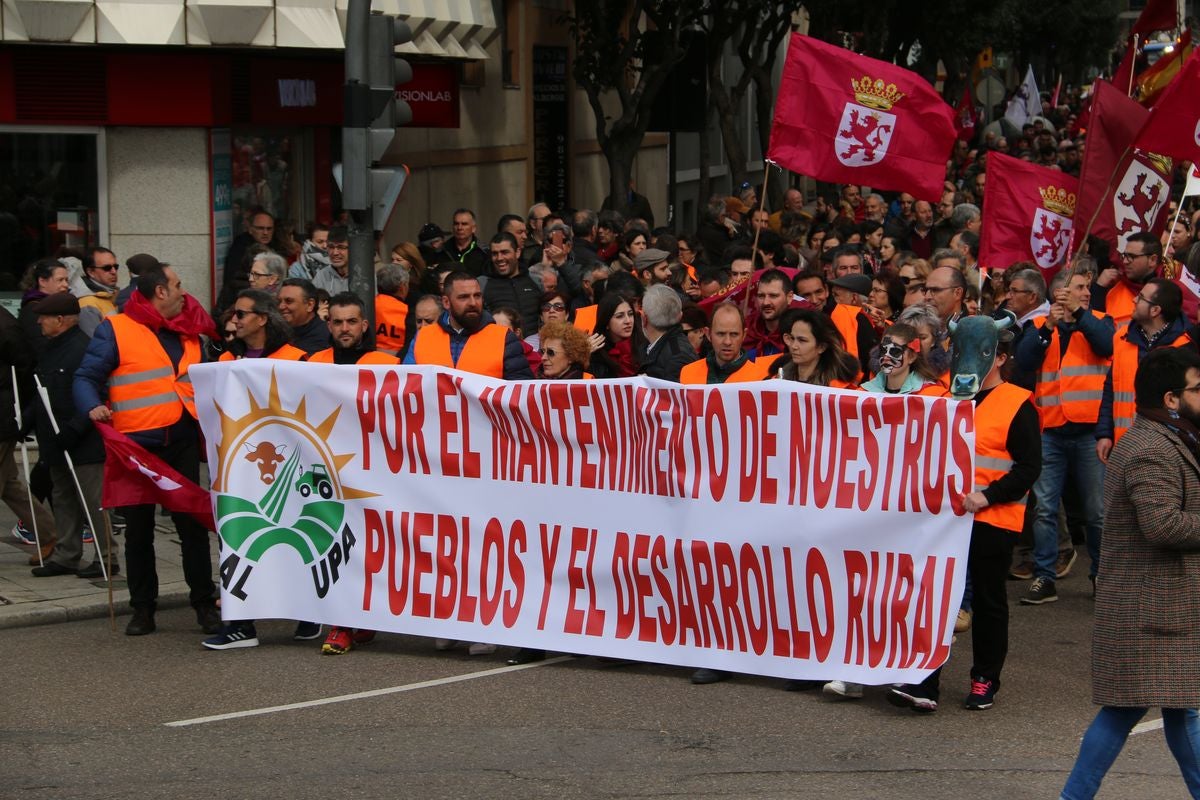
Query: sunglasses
[242, 313]
[548, 352]
[553, 307]
[109, 268]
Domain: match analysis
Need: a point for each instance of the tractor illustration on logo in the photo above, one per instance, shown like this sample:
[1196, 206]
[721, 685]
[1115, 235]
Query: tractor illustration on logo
[316, 479]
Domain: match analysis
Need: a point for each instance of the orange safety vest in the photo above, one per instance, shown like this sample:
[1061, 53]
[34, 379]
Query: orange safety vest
[374, 357]
[391, 315]
[286, 352]
[1070, 385]
[933, 390]
[993, 418]
[696, 373]
[845, 319]
[1124, 367]
[146, 391]
[1118, 303]
[585, 319]
[482, 355]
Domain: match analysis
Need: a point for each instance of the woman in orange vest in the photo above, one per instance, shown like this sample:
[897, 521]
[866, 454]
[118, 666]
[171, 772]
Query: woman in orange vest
[816, 351]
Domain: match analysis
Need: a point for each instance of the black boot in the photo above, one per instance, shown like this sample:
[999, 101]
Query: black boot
[141, 624]
[208, 617]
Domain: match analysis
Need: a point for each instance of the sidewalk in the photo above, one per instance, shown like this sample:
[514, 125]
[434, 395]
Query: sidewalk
[26, 600]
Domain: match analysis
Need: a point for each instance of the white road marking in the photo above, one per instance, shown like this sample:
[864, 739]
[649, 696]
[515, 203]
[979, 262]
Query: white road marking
[342, 698]
[1146, 727]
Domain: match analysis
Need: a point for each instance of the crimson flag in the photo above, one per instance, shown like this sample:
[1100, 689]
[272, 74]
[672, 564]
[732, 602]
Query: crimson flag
[1172, 127]
[1123, 77]
[965, 117]
[1122, 191]
[1030, 213]
[1158, 15]
[134, 476]
[846, 118]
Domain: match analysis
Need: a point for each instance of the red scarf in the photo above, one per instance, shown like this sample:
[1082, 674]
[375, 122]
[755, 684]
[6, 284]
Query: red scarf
[622, 355]
[193, 320]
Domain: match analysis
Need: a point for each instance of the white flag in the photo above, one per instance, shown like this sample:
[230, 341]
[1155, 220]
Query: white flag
[1193, 182]
[1026, 103]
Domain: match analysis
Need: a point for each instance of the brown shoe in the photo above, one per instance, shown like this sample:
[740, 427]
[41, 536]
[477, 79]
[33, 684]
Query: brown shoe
[1022, 572]
[47, 549]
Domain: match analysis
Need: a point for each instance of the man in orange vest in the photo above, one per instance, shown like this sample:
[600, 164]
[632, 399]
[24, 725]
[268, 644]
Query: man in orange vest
[1008, 456]
[465, 337]
[725, 363]
[139, 361]
[348, 327]
[1157, 321]
[1070, 354]
[1116, 290]
[391, 312]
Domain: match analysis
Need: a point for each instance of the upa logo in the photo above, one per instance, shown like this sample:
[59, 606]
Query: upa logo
[867, 125]
[279, 493]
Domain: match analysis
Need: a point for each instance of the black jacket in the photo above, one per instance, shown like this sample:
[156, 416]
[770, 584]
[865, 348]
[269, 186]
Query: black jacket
[670, 354]
[56, 370]
[312, 335]
[519, 292]
[14, 352]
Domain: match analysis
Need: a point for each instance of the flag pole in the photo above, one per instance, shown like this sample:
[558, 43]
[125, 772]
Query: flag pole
[1107, 187]
[1171, 227]
[87, 512]
[25, 462]
[762, 199]
[1132, 64]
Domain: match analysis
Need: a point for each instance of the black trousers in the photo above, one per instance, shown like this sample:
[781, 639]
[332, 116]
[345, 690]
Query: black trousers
[184, 455]
[987, 563]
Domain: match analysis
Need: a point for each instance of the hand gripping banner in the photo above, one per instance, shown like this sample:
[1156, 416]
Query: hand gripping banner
[771, 528]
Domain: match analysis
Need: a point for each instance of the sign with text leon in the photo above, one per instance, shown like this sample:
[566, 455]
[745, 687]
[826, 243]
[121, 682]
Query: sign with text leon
[772, 528]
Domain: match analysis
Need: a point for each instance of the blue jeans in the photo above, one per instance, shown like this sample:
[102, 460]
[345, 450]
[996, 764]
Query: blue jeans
[1107, 734]
[1067, 457]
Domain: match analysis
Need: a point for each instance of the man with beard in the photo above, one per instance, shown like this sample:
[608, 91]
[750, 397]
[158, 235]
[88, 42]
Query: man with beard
[1115, 292]
[466, 338]
[347, 326]
[763, 336]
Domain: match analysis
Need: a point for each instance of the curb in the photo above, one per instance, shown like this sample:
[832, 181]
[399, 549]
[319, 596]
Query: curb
[50, 612]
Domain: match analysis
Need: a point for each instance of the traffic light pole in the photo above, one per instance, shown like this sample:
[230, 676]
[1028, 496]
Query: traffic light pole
[356, 163]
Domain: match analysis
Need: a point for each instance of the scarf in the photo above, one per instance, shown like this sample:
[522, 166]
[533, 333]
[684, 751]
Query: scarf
[193, 320]
[313, 259]
[1187, 433]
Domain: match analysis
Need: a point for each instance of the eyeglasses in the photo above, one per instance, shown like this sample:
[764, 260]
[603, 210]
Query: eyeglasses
[916, 288]
[935, 289]
[338, 246]
[548, 352]
[254, 274]
[553, 307]
[242, 313]
[107, 268]
[1195, 388]
[1141, 298]
[1127, 256]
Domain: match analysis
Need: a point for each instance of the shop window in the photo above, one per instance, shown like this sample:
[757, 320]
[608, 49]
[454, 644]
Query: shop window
[49, 197]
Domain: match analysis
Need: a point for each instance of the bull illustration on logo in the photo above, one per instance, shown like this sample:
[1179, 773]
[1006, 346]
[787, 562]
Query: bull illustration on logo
[866, 127]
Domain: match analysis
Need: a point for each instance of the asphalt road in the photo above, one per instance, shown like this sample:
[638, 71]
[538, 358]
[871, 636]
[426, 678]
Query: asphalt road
[85, 715]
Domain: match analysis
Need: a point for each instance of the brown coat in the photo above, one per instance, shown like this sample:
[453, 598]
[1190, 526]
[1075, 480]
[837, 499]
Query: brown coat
[1146, 640]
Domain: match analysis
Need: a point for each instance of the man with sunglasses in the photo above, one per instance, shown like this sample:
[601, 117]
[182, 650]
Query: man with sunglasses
[96, 288]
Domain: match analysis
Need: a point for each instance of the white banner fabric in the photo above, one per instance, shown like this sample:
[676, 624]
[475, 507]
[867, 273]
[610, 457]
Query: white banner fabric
[772, 528]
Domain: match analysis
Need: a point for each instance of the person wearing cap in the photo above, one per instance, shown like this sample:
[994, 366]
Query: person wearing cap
[134, 375]
[429, 240]
[653, 266]
[850, 290]
[848, 295]
[58, 315]
[96, 287]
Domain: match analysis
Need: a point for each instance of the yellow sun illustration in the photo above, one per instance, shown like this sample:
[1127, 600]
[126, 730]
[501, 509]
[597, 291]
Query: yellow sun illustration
[235, 432]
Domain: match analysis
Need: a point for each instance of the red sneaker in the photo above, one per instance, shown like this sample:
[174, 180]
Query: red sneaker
[361, 636]
[338, 641]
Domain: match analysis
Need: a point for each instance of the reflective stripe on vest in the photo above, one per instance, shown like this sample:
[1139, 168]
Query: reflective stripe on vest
[391, 317]
[483, 354]
[1124, 367]
[145, 391]
[1070, 390]
[993, 419]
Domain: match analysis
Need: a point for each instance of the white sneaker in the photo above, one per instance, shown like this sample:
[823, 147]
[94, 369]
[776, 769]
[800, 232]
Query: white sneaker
[481, 649]
[843, 689]
[443, 644]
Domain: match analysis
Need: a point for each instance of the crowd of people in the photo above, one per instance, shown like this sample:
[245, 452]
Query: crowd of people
[845, 288]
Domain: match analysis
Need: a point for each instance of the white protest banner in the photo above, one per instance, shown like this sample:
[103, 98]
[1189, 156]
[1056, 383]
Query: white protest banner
[771, 528]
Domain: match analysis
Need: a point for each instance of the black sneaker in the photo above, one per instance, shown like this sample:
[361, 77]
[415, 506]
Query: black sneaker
[141, 624]
[704, 676]
[307, 631]
[52, 569]
[1040, 591]
[909, 695]
[802, 685]
[982, 694]
[92, 571]
[232, 636]
[208, 617]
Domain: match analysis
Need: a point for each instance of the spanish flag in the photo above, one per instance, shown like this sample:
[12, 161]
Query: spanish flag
[1151, 82]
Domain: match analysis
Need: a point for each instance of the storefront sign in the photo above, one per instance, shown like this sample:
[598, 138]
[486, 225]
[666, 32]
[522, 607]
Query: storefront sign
[433, 96]
[221, 170]
[774, 528]
[551, 126]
